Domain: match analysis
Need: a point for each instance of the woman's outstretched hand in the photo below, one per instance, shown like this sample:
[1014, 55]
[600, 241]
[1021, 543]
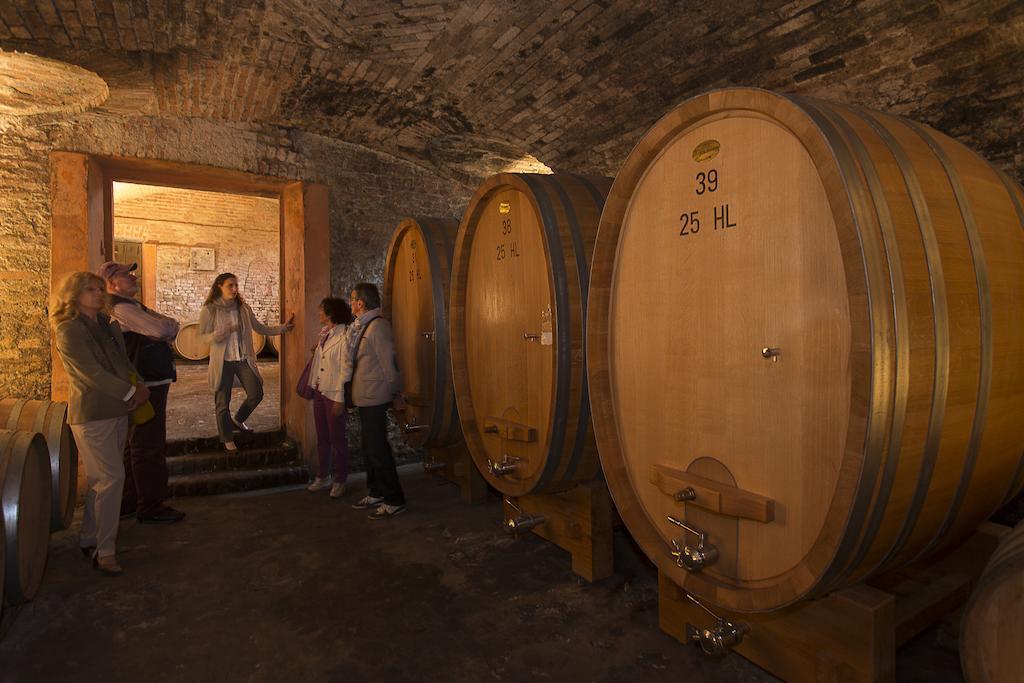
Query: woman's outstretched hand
[290, 325]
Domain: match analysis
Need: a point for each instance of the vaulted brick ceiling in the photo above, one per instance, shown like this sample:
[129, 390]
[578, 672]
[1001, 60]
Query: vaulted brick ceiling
[574, 83]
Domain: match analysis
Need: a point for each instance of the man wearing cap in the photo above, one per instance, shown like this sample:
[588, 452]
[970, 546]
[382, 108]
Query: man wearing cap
[147, 336]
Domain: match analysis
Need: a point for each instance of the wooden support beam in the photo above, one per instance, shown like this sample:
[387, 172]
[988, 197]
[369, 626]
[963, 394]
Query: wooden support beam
[305, 280]
[79, 238]
[149, 266]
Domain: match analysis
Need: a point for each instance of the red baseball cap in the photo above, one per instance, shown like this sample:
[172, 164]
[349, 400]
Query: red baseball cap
[112, 268]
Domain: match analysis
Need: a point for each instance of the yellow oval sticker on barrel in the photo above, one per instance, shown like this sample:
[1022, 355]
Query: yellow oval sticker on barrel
[706, 150]
[504, 207]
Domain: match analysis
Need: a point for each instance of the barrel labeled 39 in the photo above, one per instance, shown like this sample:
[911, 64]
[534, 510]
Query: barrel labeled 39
[805, 344]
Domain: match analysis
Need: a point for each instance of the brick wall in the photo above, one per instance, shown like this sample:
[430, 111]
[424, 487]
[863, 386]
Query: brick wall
[369, 193]
[243, 231]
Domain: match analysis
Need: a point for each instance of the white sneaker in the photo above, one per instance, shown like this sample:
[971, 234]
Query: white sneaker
[386, 511]
[367, 502]
[319, 484]
[337, 489]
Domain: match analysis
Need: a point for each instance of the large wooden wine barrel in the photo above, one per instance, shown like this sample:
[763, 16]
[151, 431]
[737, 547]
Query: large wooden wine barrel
[812, 317]
[190, 344]
[993, 625]
[417, 272]
[25, 500]
[518, 305]
[49, 418]
[275, 344]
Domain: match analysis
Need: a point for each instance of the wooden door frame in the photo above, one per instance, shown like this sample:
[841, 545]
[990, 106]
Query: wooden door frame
[82, 238]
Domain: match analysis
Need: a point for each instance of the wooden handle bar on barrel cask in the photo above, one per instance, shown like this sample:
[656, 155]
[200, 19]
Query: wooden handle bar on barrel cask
[25, 496]
[992, 630]
[518, 305]
[417, 273]
[820, 305]
[49, 418]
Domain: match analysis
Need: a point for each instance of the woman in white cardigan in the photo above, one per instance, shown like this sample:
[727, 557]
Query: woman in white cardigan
[327, 377]
[227, 323]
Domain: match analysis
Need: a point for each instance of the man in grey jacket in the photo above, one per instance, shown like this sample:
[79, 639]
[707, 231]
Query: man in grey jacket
[376, 383]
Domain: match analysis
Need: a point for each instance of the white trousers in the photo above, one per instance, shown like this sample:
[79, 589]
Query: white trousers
[101, 447]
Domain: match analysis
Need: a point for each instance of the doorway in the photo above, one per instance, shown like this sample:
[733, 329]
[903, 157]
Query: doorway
[181, 239]
[82, 238]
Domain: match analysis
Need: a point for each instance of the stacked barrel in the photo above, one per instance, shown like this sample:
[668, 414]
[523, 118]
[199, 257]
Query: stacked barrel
[993, 623]
[38, 477]
[190, 345]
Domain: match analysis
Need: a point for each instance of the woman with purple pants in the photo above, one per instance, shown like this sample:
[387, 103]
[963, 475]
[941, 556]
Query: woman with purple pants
[326, 377]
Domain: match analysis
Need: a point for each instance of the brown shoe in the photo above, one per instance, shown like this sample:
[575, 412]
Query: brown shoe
[107, 565]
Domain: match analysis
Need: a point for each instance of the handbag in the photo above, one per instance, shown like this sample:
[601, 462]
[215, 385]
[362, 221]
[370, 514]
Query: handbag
[302, 388]
[144, 412]
[347, 389]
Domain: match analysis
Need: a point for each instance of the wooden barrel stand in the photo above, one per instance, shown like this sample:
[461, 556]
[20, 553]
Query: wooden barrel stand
[849, 635]
[519, 288]
[578, 521]
[453, 463]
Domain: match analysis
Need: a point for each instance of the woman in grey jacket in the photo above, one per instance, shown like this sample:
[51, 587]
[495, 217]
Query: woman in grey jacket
[227, 323]
[103, 389]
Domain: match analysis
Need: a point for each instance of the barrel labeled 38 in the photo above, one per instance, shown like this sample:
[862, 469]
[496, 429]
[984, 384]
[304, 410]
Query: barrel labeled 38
[518, 306]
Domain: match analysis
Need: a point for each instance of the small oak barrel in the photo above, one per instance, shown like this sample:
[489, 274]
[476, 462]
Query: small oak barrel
[417, 272]
[806, 340]
[49, 418]
[25, 498]
[992, 631]
[190, 344]
[518, 306]
[258, 342]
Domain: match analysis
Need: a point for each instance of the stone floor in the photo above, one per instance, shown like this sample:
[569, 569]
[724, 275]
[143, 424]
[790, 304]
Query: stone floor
[288, 585]
[190, 412]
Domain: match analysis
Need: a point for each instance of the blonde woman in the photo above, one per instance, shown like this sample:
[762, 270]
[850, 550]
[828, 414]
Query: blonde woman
[227, 323]
[103, 390]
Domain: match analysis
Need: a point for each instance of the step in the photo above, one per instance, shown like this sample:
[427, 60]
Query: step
[221, 461]
[212, 443]
[233, 481]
